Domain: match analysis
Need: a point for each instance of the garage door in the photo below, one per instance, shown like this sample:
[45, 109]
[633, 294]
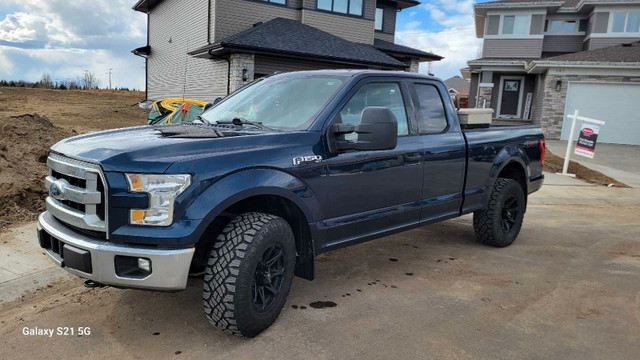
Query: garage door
[616, 103]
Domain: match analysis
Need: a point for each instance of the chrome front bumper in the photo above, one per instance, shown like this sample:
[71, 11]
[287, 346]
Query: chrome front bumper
[169, 267]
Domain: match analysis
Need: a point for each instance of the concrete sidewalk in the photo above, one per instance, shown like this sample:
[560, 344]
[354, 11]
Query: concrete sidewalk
[621, 162]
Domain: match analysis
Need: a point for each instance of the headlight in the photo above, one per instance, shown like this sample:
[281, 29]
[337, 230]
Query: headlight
[162, 190]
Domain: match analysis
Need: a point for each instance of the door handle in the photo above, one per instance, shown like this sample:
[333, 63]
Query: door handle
[412, 158]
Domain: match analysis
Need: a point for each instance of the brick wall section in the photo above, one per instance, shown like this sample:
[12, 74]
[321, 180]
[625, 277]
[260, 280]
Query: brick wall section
[484, 93]
[414, 65]
[240, 62]
[553, 102]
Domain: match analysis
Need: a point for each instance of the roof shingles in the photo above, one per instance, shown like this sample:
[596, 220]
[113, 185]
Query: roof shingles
[284, 36]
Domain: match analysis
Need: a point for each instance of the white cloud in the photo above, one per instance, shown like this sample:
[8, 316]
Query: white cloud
[457, 45]
[66, 37]
[413, 25]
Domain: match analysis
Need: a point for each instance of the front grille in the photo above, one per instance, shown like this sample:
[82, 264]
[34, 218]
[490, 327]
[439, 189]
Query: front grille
[77, 195]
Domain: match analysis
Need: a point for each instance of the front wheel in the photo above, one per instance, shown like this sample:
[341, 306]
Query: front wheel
[499, 224]
[249, 274]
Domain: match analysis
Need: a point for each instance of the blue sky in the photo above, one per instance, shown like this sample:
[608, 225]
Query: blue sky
[66, 37]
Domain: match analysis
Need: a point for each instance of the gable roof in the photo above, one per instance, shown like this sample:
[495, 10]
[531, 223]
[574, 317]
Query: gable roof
[457, 83]
[289, 37]
[393, 48]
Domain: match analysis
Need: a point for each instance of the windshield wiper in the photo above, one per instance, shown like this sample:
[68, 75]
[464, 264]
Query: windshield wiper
[240, 122]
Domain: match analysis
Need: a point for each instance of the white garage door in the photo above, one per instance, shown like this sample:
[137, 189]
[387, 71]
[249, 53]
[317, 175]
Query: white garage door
[616, 103]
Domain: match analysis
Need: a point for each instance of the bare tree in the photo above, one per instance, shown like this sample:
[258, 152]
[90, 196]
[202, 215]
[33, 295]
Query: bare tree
[88, 80]
[45, 81]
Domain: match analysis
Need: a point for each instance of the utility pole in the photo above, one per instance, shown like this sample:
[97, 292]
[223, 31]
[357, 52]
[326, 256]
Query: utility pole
[109, 70]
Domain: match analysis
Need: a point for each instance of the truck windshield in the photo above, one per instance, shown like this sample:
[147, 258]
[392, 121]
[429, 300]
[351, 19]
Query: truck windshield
[279, 102]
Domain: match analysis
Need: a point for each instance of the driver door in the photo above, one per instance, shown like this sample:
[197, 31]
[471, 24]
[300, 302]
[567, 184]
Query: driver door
[371, 192]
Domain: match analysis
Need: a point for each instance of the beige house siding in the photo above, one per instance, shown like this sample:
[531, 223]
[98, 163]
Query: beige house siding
[171, 72]
[512, 48]
[232, 18]
[350, 28]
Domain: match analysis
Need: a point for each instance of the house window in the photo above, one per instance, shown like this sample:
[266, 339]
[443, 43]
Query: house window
[282, 2]
[515, 24]
[625, 21]
[379, 17]
[351, 7]
[562, 26]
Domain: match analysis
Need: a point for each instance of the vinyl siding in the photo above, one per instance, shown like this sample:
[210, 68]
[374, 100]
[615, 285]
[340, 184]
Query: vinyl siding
[601, 42]
[562, 43]
[172, 33]
[385, 37]
[234, 16]
[347, 27]
[512, 48]
[270, 64]
[388, 18]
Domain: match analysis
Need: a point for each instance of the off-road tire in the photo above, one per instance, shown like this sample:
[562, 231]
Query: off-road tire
[229, 274]
[487, 223]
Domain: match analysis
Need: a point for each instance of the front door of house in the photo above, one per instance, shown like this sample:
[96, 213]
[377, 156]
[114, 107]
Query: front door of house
[510, 97]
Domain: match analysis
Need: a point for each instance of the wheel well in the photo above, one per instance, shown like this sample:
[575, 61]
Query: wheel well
[269, 204]
[515, 171]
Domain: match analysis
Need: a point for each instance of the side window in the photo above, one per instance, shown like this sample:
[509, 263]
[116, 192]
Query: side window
[376, 94]
[432, 115]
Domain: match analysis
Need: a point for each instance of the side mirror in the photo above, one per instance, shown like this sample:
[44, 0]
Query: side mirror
[378, 130]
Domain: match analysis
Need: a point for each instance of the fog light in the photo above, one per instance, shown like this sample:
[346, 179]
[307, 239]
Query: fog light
[132, 267]
[144, 264]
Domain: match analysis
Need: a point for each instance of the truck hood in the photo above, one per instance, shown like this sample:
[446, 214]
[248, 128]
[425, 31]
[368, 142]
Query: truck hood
[153, 149]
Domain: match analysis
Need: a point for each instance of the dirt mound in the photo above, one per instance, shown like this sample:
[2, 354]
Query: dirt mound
[24, 144]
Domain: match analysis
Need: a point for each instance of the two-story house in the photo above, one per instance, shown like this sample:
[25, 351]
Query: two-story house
[542, 59]
[204, 49]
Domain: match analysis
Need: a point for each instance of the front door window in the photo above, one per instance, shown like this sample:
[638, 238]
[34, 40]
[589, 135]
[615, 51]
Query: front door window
[510, 97]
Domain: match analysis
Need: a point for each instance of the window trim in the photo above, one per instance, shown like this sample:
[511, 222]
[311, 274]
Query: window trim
[416, 100]
[317, 8]
[269, 2]
[381, 21]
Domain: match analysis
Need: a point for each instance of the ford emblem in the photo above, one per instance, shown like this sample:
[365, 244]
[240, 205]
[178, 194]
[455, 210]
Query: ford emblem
[56, 190]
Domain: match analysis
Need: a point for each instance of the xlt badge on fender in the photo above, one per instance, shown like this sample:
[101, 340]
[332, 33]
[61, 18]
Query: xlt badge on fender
[299, 160]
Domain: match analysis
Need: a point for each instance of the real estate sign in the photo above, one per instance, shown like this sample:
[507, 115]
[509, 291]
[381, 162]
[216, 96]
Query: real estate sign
[586, 145]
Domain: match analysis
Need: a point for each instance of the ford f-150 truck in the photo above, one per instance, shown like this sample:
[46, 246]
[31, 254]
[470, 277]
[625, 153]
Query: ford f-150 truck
[291, 166]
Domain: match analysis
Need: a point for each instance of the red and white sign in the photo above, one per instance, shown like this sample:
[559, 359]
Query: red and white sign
[586, 145]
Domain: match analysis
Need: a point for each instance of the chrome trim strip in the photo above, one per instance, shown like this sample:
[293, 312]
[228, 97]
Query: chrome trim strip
[74, 193]
[73, 217]
[170, 267]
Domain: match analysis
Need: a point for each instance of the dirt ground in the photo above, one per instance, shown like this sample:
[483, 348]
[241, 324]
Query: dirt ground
[554, 164]
[31, 120]
[567, 289]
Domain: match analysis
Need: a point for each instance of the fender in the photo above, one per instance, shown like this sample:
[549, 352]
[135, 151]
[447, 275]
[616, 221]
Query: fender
[508, 155]
[243, 184]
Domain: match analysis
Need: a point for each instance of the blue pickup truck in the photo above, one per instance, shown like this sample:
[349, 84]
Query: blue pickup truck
[289, 167]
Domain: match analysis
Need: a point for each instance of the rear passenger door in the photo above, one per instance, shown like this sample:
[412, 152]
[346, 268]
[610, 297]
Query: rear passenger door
[445, 151]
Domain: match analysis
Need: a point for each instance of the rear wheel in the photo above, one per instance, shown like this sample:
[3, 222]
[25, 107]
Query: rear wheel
[499, 224]
[249, 274]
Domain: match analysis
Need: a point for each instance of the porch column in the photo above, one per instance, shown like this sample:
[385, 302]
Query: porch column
[485, 88]
[242, 67]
